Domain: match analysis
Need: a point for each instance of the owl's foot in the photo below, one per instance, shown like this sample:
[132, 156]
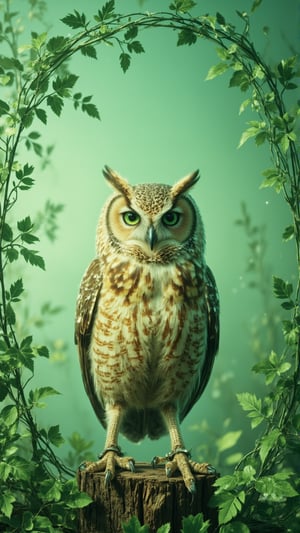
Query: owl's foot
[109, 460]
[180, 459]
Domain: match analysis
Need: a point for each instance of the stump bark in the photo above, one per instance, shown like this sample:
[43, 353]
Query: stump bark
[147, 494]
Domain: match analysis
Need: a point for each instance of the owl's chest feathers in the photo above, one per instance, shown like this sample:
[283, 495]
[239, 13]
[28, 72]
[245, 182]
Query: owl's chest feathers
[150, 322]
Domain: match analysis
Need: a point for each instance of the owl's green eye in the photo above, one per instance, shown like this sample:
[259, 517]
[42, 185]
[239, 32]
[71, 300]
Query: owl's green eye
[171, 218]
[131, 218]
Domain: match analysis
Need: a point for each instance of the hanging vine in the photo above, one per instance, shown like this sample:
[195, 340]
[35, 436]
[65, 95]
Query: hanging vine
[35, 489]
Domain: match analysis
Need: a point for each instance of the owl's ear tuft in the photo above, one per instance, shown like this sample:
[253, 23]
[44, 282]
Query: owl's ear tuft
[184, 184]
[117, 182]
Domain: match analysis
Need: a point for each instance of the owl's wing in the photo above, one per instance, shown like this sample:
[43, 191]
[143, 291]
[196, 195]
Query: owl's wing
[86, 307]
[213, 334]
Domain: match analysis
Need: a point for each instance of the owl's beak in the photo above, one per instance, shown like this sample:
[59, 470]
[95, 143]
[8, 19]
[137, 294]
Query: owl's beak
[151, 236]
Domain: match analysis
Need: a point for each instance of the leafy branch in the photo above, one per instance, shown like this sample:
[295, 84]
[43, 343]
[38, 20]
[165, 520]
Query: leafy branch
[41, 82]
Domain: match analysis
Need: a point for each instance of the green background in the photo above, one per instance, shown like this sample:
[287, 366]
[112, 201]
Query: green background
[159, 121]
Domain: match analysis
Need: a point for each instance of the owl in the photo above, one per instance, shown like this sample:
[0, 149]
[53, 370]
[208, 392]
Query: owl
[147, 320]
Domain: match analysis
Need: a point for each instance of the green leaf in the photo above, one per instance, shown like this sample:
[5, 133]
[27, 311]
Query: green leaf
[135, 46]
[230, 504]
[267, 443]
[9, 415]
[36, 395]
[285, 142]
[55, 44]
[89, 51]
[240, 79]
[182, 6]
[107, 11]
[131, 33]
[273, 178]
[216, 70]
[5, 470]
[220, 19]
[55, 103]
[288, 233]
[125, 61]
[4, 108]
[6, 501]
[10, 314]
[55, 436]
[261, 137]
[249, 402]
[27, 521]
[32, 257]
[228, 440]
[272, 367]
[25, 224]
[186, 37]
[78, 500]
[43, 351]
[275, 488]
[194, 524]
[282, 289]
[166, 528]
[7, 232]
[256, 128]
[50, 490]
[38, 40]
[91, 110]
[134, 526]
[29, 238]
[42, 115]
[235, 527]
[12, 254]
[255, 5]
[34, 135]
[16, 290]
[21, 468]
[62, 85]
[27, 116]
[75, 20]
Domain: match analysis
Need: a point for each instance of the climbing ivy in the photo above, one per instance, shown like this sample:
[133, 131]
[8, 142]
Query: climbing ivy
[37, 492]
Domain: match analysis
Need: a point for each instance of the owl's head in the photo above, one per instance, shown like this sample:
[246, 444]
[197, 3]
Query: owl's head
[152, 222]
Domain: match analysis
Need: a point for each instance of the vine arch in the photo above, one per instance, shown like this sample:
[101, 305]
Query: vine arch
[276, 126]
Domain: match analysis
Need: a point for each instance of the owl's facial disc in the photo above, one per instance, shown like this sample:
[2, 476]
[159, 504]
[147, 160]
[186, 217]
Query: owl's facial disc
[151, 235]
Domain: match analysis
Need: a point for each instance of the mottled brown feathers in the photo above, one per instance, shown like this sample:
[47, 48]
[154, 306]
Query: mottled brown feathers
[147, 322]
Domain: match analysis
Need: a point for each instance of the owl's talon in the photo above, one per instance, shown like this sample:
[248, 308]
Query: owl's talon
[108, 478]
[192, 487]
[154, 461]
[169, 471]
[131, 465]
[211, 469]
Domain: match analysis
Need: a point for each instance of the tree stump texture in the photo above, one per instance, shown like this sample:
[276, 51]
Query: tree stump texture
[147, 494]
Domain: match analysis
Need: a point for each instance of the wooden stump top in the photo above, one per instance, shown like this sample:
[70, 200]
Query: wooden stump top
[147, 494]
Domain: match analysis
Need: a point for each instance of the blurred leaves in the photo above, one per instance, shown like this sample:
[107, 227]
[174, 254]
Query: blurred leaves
[38, 82]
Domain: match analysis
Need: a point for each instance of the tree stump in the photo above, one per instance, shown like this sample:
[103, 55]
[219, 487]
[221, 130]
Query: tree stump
[147, 494]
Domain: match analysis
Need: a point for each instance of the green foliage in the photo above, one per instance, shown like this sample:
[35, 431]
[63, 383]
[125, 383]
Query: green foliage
[81, 450]
[190, 524]
[35, 492]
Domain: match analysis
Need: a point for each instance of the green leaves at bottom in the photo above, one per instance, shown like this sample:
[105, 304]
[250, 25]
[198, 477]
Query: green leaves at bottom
[230, 504]
[190, 524]
[235, 527]
[194, 524]
[276, 488]
[6, 501]
[134, 526]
